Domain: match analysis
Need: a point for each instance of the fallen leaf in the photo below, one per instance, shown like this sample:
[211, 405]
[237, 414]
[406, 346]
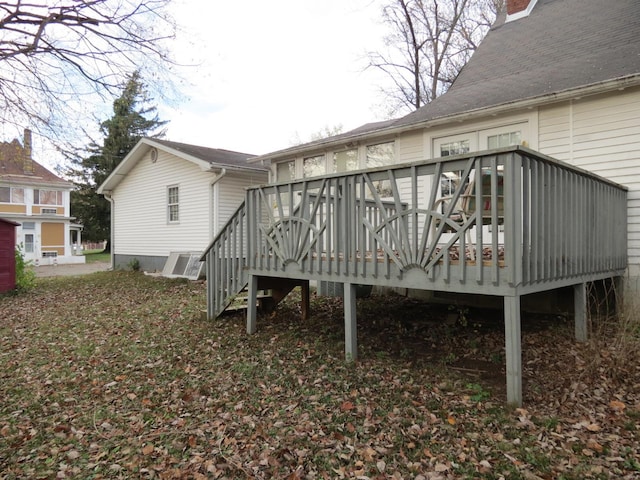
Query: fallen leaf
[347, 406]
[148, 449]
[617, 405]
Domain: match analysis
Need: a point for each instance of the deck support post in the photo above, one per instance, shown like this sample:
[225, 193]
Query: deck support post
[580, 311]
[306, 299]
[513, 350]
[252, 304]
[350, 323]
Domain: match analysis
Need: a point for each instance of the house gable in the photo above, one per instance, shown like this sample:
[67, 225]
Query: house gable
[203, 157]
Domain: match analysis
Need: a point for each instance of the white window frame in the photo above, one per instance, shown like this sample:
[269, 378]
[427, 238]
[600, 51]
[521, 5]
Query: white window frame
[522, 127]
[58, 194]
[13, 194]
[171, 204]
[322, 158]
[29, 246]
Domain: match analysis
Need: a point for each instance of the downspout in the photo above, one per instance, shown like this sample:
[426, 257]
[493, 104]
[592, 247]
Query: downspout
[214, 205]
[112, 223]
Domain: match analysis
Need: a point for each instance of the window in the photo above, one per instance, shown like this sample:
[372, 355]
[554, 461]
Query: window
[454, 148]
[345, 161]
[48, 211]
[28, 242]
[11, 195]
[186, 265]
[286, 171]
[47, 197]
[314, 166]
[377, 156]
[28, 225]
[49, 254]
[380, 155]
[173, 205]
[503, 140]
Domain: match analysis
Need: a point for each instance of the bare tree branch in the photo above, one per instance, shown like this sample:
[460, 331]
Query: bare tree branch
[56, 54]
[428, 43]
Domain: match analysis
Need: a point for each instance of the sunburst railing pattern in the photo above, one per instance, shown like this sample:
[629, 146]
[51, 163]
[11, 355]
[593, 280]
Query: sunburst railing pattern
[539, 223]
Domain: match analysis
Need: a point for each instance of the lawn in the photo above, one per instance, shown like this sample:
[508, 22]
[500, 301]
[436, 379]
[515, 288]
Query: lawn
[116, 375]
[93, 256]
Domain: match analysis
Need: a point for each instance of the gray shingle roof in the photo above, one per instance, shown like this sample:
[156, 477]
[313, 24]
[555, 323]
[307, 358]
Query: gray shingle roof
[214, 156]
[561, 45]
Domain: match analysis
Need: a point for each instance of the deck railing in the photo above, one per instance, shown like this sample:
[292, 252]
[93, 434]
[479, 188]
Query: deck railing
[541, 224]
[541, 221]
[226, 263]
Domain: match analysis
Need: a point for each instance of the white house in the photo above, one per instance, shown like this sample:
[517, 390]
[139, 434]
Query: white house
[561, 77]
[539, 136]
[38, 200]
[168, 197]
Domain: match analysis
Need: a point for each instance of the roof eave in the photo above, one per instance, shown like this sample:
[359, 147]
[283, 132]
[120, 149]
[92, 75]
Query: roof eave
[609, 85]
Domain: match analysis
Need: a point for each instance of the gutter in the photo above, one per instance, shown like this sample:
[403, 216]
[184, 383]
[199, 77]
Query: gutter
[110, 199]
[213, 211]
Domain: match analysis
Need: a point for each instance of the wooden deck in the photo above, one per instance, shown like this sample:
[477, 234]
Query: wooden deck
[543, 225]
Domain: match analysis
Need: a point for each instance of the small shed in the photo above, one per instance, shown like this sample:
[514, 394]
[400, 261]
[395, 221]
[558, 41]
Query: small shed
[7, 255]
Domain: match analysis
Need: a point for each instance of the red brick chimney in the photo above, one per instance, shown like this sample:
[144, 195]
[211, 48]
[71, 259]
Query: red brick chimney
[519, 8]
[27, 160]
[515, 6]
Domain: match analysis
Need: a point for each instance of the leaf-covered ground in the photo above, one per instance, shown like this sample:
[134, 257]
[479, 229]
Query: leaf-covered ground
[116, 375]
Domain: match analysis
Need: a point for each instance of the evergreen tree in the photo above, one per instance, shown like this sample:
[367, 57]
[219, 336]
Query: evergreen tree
[132, 119]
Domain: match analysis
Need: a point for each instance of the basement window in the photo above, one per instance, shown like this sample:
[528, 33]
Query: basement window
[184, 265]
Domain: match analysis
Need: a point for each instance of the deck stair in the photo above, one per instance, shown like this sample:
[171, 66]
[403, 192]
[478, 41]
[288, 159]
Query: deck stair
[271, 291]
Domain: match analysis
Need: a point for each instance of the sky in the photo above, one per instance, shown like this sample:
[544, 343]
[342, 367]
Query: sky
[270, 74]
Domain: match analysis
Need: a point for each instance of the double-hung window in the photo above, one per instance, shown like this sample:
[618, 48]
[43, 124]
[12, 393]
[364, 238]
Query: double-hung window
[11, 195]
[380, 155]
[47, 197]
[173, 204]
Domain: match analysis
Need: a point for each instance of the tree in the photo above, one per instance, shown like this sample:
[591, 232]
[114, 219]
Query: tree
[430, 41]
[132, 119]
[55, 55]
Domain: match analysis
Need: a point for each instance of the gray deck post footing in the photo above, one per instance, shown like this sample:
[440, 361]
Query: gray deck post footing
[252, 307]
[513, 349]
[580, 311]
[350, 323]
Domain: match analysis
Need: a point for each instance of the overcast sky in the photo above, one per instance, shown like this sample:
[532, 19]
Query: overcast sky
[273, 71]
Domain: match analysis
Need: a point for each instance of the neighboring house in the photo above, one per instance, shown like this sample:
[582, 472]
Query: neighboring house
[38, 200]
[168, 197]
[561, 77]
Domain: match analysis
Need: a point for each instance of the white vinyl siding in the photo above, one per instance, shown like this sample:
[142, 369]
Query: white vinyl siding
[411, 148]
[601, 134]
[231, 193]
[140, 220]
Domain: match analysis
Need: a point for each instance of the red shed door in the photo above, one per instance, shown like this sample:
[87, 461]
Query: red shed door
[7, 257]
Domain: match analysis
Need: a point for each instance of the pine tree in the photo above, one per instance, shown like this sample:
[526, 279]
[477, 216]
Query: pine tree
[132, 119]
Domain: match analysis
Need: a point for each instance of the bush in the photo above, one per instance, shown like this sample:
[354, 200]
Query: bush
[134, 265]
[25, 275]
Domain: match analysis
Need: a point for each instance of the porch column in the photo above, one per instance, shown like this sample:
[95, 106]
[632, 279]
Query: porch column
[252, 307]
[350, 323]
[580, 311]
[513, 350]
